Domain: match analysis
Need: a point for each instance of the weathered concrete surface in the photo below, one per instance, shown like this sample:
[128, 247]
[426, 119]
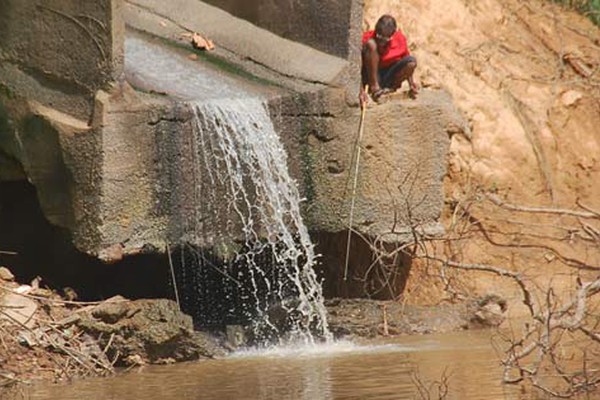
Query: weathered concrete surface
[401, 166]
[399, 178]
[60, 52]
[288, 58]
[54, 57]
[330, 26]
[37, 138]
[118, 166]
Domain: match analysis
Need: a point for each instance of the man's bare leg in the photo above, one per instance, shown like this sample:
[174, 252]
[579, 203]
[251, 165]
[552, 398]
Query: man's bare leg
[370, 61]
[406, 74]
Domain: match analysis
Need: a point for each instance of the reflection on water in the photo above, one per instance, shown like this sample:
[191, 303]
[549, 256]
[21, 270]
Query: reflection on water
[382, 370]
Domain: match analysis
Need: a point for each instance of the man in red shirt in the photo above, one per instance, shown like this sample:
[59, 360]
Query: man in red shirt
[386, 61]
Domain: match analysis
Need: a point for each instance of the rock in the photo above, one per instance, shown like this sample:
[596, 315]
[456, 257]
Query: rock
[6, 275]
[111, 254]
[488, 311]
[570, 97]
[236, 336]
[147, 331]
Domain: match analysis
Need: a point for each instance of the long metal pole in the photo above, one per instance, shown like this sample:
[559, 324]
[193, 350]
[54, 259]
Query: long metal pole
[356, 166]
[173, 277]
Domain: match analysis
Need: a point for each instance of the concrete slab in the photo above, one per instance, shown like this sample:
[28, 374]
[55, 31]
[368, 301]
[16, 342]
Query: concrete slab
[289, 58]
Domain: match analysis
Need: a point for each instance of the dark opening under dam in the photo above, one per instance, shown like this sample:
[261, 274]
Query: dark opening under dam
[212, 290]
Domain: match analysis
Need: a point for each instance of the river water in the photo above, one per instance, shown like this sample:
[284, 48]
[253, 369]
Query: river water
[375, 370]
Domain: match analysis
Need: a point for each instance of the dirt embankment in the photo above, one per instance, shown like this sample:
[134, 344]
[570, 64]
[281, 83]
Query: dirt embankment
[522, 203]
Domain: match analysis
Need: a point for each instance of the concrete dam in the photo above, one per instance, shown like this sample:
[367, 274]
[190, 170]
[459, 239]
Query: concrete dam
[123, 151]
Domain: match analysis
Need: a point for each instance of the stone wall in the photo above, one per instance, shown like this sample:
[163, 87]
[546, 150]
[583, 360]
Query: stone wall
[115, 165]
[330, 26]
[60, 51]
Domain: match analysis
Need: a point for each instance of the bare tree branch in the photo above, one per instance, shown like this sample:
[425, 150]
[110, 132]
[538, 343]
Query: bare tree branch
[497, 201]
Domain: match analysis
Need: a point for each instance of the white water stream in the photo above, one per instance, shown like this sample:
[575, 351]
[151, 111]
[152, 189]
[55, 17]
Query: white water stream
[240, 153]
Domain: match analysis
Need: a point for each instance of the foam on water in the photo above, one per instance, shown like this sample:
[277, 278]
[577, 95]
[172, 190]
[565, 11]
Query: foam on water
[325, 350]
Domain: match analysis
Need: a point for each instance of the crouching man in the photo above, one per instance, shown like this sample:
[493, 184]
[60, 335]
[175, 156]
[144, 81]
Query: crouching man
[386, 61]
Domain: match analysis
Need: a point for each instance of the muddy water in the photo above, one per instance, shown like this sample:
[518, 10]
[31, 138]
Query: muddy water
[380, 370]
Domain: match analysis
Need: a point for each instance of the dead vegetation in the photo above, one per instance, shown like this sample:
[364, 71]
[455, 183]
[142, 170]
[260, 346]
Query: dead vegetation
[436, 390]
[550, 275]
[39, 338]
[521, 215]
[46, 337]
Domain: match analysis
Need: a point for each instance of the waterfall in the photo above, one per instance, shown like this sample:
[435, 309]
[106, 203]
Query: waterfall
[243, 183]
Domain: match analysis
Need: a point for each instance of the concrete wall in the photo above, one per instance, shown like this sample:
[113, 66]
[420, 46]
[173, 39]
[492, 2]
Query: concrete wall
[55, 55]
[115, 165]
[402, 164]
[60, 51]
[330, 26]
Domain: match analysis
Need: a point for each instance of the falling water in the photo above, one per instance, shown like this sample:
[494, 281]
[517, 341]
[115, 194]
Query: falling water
[242, 163]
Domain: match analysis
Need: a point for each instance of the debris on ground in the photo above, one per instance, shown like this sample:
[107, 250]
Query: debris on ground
[43, 336]
[365, 318]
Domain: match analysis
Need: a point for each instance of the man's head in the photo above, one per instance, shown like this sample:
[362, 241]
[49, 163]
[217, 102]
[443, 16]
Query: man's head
[384, 29]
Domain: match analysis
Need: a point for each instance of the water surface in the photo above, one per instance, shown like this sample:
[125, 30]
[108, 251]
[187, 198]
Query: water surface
[380, 370]
[152, 65]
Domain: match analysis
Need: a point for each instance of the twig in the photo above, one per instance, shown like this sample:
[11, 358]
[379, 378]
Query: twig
[355, 182]
[592, 335]
[541, 210]
[587, 208]
[10, 380]
[112, 336]
[527, 297]
[58, 301]
[386, 331]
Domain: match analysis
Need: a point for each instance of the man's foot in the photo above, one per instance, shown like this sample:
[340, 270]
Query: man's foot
[375, 95]
[414, 90]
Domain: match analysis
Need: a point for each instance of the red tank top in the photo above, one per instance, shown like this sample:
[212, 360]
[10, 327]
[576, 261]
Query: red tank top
[395, 50]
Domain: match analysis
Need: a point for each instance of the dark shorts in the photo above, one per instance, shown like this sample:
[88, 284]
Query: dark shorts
[386, 75]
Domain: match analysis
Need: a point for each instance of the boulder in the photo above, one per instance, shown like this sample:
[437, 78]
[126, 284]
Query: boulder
[147, 331]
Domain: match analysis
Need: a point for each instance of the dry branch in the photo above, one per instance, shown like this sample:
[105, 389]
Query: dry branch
[541, 210]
